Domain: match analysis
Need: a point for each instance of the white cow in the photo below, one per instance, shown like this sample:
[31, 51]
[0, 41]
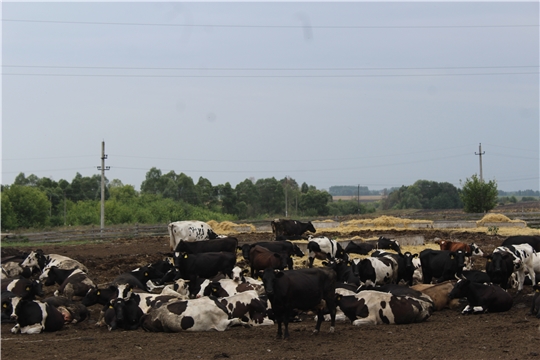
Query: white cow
[189, 231]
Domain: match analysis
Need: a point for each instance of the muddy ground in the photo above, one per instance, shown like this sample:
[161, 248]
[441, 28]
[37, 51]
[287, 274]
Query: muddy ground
[445, 335]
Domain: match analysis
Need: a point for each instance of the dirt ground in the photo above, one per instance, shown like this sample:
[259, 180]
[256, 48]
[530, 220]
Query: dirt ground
[445, 335]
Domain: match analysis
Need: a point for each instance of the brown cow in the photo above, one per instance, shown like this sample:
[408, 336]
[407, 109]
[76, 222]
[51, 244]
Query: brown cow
[469, 250]
[261, 258]
[439, 294]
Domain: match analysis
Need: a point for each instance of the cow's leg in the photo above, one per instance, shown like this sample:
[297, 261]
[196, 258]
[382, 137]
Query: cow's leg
[279, 320]
[310, 260]
[290, 263]
[521, 279]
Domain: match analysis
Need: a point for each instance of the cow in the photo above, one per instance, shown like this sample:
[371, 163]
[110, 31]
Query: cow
[375, 270]
[25, 288]
[375, 307]
[362, 248]
[205, 265]
[123, 314]
[441, 264]
[73, 312]
[469, 250]
[499, 267]
[228, 287]
[476, 276]
[291, 249]
[34, 316]
[226, 244]
[481, 297]
[11, 267]
[388, 244]
[76, 284]
[523, 261]
[261, 258]
[405, 264]
[285, 229]
[248, 306]
[189, 231]
[303, 289]
[344, 271]
[37, 259]
[535, 308]
[202, 314]
[179, 289]
[532, 240]
[438, 293]
[324, 248]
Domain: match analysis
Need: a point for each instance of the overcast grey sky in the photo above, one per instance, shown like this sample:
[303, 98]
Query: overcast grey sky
[375, 94]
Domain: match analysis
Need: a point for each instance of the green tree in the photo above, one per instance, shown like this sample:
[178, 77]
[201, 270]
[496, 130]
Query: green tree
[29, 204]
[9, 217]
[478, 196]
[315, 202]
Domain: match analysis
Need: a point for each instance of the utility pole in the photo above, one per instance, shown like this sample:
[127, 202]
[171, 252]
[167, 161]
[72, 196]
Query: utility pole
[103, 168]
[286, 210]
[480, 153]
[359, 198]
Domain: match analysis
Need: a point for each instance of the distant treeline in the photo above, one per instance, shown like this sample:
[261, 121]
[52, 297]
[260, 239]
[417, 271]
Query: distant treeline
[345, 190]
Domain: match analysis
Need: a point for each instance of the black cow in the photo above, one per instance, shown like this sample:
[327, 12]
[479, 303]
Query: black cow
[280, 247]
[7, 310]
[441, 264]
[284, 229]
[123, 314]
[227, 244]
[135, 279]
[476, 276]
[303, 289]
[344, 271]
[105, 295]
[73, 312]
[363, 248]
[482, 298]
[535, 308]
[205, 265]
[532, 240]
[499, 267]
[33, 316]
[24, 288]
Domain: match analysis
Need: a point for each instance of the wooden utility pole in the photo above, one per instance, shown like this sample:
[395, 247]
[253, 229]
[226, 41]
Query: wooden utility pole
[103, 168]
[480, 153]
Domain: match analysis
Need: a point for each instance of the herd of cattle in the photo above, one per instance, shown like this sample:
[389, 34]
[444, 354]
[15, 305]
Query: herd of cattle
[200, 287]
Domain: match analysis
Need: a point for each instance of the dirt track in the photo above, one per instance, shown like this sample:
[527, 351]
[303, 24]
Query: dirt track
[445, 335]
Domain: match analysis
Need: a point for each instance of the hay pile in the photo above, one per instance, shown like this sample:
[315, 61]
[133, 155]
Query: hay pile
[494, 218]
[228, 227]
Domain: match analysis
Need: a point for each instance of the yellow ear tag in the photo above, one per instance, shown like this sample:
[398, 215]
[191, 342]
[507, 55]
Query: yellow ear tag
[98, 293]
[28, 288]
[536, 291]
[452, 257]
[185, 256]
[489, 260]
[145, 274]
[5, 305]
[214, 290]
[110, 306]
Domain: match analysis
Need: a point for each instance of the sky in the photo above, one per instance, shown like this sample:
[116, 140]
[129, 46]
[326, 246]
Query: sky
[377, 94]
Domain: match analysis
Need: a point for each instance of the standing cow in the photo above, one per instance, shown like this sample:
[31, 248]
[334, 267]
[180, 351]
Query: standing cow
[189, 231]
[285, 229]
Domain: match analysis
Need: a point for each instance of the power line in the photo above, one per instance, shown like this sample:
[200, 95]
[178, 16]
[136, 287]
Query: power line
[268, 76]
[276, 26]
[269, 69]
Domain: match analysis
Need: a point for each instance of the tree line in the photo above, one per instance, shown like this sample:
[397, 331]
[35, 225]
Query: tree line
[33, 202]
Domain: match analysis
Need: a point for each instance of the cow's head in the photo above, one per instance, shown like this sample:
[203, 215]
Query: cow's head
[460, 289]
[269, 278]
[475, 250]
[310, 227]
[34, 259]
[238, 274]
[297, 251]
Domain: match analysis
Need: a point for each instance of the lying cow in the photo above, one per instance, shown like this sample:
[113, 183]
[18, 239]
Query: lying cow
[72, 282]
[189, 231]
[25, 288]
[285, 229]
[324, 248]
[203, 314]
[375, 307]
[123, 314]
[439, 294]
[482, 298]
[73, 312]
[499, 267]
[33, 316]
[37, 259]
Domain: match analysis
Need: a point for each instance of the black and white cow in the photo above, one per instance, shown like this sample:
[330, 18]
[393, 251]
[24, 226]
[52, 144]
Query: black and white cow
[344, 271]
[189, 231]
[202, 314]
[405, 264]
[481, 297]
[523, 261]
[37, 259]
[27, 289]
[441, 264]
[247, 306]
[34, 316]
[11, 267]
[375, 270]
[324, 248]
[72, 282]
[361, 248]
[226, 244]
[371, 307]
[205, 265]
[303, 289]
[284, 229]
[476, 276]
[387, 244]
[228, 287]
